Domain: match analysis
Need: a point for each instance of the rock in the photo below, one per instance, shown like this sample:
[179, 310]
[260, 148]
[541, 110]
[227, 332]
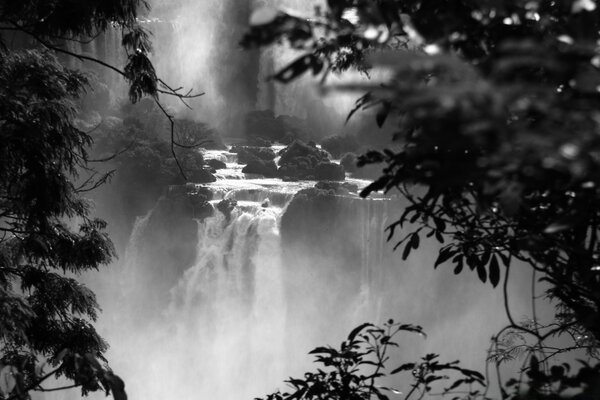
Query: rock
[287, 139]
[200, 175]
[337, 145]
[216, 164]
[348, 161]
[266, 203]
[341, 188]
[299, 161]
[328, 171]
[204, 193]
[226, 206]
[263, 167]
[298, 149]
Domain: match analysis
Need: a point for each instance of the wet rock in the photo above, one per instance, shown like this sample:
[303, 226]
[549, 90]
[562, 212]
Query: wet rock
[339, 188]
[299, 149]
[298, 161]
[216, 164]
[204, 193]
[200, 175]
[263, 167]
[226, 206]
[327, 171]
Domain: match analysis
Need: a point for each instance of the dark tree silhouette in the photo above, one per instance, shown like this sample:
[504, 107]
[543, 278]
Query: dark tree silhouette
[496, 144]
[46, 313]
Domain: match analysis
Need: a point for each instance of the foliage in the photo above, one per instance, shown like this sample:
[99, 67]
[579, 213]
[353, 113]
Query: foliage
[47, 235]
[495, 108]
[46, 312]
[353, 371]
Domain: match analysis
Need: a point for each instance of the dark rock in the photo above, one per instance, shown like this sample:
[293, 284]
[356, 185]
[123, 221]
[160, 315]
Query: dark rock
[226, 206]
[327, 171]
[262, 167]
[287, 139]
[299, 161]
[204, 193]
[340, 188]
[216, 164]
[200, 175]
[298, 149]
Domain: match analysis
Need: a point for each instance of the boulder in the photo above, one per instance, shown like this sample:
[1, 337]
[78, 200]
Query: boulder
[216, 164]
[200, 175]
[327, 171]
[299, 149]
[204, 193]
[267, 168]
[226, 206]
[341, 188]
[299, 161]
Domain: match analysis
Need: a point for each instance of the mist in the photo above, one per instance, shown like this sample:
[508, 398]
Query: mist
[228, 306]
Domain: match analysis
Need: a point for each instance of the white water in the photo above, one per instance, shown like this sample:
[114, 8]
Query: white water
[242, 316]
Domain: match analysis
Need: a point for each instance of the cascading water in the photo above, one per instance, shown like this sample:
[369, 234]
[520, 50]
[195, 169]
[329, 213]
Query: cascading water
[286, 270]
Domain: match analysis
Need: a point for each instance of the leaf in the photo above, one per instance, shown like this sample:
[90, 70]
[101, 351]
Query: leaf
[481, 272]
[456, 384]
[459, 267]
[379, 184]
[263, 16]
[412, 328]
[444, 255]
[403, 367]
[505, 259]
[357, 330]
[322, 350]
[296, 68]
[407, 250]
[556, 227]
[414, 241]
[494, 271]
[383, 113]
[8, 379]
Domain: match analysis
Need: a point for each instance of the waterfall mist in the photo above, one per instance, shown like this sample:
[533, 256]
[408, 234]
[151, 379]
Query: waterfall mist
[229, 306]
